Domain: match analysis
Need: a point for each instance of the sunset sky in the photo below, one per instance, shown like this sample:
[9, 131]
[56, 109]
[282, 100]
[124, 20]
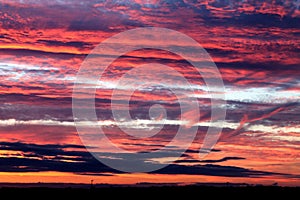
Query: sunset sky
[254, 44]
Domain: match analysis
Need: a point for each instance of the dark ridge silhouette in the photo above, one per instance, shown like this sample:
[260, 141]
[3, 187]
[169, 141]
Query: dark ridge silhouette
[212, 189]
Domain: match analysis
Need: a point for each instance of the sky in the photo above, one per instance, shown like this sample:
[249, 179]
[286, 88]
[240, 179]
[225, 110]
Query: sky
[254, 44]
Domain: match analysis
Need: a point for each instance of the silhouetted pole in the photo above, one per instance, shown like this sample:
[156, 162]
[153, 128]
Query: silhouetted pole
[92, 185]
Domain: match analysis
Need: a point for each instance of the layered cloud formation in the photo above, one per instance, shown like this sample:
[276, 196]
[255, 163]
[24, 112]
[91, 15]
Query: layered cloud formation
[254, 44]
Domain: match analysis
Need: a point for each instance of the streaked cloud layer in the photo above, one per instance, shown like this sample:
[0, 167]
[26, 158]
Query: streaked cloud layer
[254, 44]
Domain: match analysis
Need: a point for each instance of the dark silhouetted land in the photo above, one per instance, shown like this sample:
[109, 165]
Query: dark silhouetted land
[143, 189]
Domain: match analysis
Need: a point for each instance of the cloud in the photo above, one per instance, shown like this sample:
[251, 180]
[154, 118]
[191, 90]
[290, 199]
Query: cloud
[213, 170]
[263, 20]
[210, 161]
[253, 43]
[249, 118]
[76, 44]
[57, 158]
